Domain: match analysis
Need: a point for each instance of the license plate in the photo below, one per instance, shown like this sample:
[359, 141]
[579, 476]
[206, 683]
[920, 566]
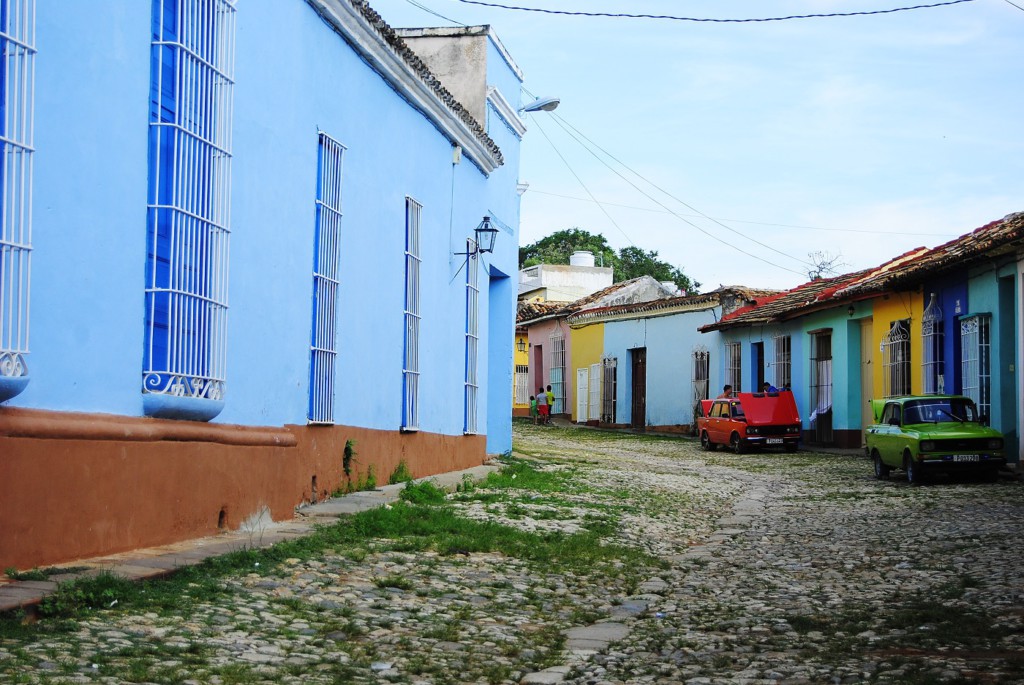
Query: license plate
[774, 441]
[966, 457]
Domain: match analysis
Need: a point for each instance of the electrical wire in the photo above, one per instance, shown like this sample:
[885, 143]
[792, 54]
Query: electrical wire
[430, 11]
[616, 15]
[1014, 4]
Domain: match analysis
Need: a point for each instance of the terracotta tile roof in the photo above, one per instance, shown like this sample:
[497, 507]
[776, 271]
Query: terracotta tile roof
[999, 237]
[670, 305]
[528, 312]
[420, 69]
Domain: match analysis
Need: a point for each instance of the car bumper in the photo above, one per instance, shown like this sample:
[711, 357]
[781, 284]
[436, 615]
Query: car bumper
[771, 440]
[961, 462]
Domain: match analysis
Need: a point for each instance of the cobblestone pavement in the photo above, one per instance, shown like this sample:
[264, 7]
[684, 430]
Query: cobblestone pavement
[774, 568]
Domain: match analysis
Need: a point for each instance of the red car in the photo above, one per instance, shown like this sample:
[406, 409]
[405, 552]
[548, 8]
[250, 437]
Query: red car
[750, 419]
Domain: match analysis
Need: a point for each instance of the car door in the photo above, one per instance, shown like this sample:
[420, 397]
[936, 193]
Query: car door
[887, 433]
[719, 418]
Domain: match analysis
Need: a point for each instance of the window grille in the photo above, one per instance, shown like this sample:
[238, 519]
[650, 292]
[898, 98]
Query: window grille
[326, 239]
[783, 361]
[608, 389]
[976, 347]
[700, 376]
[17, 85]
[895, 350]
[472, 334]
[931, 335]
[821, 387]
[594, 408]
[522, 384]
[411, 368]
[734, 366]
[189, 197]
[557, 371]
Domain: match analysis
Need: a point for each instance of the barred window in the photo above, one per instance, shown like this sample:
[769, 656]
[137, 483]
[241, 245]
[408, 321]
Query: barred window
[783, 361]
[472, 334]
[821, 386]
[326, 238]
[734, 366]
[608, 388]
[17, 82]
[411, 368]
[700, 377]
[932, 366]
[189, 198]
[976, 346]
[557, 371]
[521, 394]
[895, 350]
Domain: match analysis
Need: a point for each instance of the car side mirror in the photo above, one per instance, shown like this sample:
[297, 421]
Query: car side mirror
[894, 421]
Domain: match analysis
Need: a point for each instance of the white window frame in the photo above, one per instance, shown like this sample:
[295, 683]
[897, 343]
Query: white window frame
[16, 138]
[932, 362]
[556, 370]
[594, 403]
[609, 388]
[700, 377]
[521, 395]
[472, 336]
[895, 349]
[192, 207]
[411, 365]
[783, 347]
[326, 242]
[976, 351]
[734, 366]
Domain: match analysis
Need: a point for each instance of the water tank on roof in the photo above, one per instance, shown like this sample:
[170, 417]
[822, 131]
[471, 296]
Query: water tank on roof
[581, 258]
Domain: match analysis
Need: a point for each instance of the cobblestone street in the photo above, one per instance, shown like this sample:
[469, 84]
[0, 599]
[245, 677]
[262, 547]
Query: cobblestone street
[721, 568]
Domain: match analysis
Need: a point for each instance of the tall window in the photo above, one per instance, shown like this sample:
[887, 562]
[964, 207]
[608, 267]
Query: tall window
[594, 404]
[931, 335]
[976, 346]
[472, 334]
[734, 366]
[192, 64]
[17, 81]
[608, 389]
[821, 386]
[522, 392]
[557, 370]
[411, 368]
[700, 376]
[783, 361]
[895, 350]
[326, 239]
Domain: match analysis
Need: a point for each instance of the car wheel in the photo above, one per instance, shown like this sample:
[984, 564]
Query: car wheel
[913, 469]
[881, 469]
[705, 442]
[736, 444]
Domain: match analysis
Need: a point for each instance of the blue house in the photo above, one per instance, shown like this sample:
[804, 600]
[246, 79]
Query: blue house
[252, 253]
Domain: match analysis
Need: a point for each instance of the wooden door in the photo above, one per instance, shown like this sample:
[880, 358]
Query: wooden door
[639, 384]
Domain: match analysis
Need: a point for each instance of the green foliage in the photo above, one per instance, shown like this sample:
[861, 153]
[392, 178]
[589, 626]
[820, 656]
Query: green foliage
[33, 574]
[82, 595]
[394, 581]
[629, 262]
[422, 493]
[401, 474]
[348, 456]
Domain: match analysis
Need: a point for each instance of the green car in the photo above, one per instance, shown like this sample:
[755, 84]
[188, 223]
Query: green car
[932, 433]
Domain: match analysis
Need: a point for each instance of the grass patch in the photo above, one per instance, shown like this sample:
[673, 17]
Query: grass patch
[424, 493]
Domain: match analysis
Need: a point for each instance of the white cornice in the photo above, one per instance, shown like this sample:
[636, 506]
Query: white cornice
[506, 111]
[372, 47]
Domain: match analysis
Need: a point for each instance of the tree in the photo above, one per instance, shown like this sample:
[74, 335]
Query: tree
[824, 264]
[559, 246]
[629, 262]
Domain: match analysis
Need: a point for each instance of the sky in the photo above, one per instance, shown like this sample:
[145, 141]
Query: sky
[736, 150]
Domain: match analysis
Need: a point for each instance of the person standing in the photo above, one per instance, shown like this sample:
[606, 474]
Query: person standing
[551, 403]
[543, 409]
[726, 392]
[533, 409]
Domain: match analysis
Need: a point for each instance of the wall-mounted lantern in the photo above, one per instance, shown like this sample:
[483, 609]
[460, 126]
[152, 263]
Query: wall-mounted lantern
[521, 345]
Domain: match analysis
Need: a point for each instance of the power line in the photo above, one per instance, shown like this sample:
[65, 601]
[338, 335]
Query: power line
[430, 11]
[756, 223]
[1014, 4]
[616, 15]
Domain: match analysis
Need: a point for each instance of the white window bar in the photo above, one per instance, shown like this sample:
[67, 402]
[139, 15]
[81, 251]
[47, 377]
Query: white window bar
[190, 193]
[557, 370]
[522, 384]
[17, 87]
[411, 369]
[734, 366]
[326, 241]
[594, 408]
[472, 334]
[932, 366]
[895, 349]
[700, 377]
[783, 361]
[608, 389]
[976, 348]
[821, 387]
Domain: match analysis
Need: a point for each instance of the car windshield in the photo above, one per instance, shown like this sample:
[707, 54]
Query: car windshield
[939, 410]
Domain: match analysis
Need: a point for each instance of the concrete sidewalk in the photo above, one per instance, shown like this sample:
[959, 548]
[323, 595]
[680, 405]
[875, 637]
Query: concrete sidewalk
[154, 562]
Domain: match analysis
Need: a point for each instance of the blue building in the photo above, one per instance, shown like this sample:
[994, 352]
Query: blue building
[237, 238]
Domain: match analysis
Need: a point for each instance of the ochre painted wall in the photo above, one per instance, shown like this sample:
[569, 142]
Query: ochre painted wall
[74, 486]
[520, 359]
[587, 349]
[889, 308]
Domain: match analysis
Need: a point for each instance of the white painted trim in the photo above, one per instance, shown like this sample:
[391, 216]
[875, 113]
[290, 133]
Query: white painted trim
[505, 54]
[372, 47]
[505, 110]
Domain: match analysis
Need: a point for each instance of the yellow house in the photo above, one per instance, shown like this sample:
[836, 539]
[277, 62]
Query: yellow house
[897, 343]
[585, 362]
[521, 375]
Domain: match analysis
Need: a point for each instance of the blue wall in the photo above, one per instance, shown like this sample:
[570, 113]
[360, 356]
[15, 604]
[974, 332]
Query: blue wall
[294, 76]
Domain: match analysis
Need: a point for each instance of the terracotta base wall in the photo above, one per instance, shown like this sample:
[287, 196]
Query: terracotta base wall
[521, 411]
[74, 486]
